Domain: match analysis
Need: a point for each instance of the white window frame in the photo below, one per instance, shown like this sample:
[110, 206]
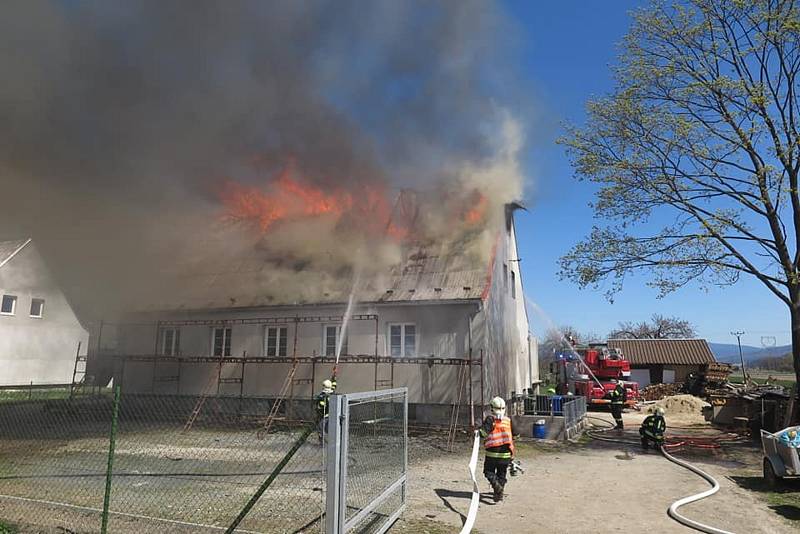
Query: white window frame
[14, 300]
[41, 308]
[402, 340]
[338, 334]
[277, 340]
[225, 337]
[175, 349]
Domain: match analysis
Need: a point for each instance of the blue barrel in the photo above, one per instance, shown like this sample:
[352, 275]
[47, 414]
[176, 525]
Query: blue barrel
[558, 404]
[539, 429]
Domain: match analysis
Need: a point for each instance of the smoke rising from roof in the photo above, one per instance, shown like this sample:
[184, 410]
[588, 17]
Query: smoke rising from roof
[121, 121]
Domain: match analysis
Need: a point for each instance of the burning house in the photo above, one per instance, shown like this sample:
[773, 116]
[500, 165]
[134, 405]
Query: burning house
[217, 184]
[447, 319]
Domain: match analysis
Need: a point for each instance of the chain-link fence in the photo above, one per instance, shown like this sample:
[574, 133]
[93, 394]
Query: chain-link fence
[172, 472]
[371, 474]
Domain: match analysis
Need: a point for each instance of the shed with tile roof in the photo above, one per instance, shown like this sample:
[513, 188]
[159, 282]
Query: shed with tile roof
[655, 361]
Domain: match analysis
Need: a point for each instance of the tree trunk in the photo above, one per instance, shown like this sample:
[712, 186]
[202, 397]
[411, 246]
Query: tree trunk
[795, 314]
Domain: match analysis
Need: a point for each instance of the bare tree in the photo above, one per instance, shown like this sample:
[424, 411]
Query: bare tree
[559, 338]
[659, 327]
[697, 153]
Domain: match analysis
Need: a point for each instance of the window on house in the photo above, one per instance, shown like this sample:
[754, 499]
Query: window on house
[276, 341]
[513, 285]
[170, 341]
[37, 307]
[403, 340]
[9, 305]
[505, 276]
[331, 338]
[221, 343]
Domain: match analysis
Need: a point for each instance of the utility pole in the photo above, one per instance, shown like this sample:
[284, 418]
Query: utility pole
[739, 335]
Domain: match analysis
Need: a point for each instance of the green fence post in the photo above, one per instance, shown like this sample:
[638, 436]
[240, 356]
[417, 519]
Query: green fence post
[271, 478]
[110, 467]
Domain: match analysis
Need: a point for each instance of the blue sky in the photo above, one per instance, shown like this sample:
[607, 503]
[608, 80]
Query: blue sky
[568, 48]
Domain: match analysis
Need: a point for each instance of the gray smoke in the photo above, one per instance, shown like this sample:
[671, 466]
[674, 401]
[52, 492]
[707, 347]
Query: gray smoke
[119, 121]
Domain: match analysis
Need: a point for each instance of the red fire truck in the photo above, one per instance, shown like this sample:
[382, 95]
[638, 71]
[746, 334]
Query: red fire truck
[587, 370]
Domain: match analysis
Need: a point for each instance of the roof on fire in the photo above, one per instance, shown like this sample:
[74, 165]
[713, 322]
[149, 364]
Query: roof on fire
[664, 351]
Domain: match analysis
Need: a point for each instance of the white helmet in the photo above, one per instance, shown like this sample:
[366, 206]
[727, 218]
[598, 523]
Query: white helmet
[498, 406]
[660, 411]
[327, 386]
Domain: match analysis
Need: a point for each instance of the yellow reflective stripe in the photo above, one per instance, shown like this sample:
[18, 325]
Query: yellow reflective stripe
[501, 455]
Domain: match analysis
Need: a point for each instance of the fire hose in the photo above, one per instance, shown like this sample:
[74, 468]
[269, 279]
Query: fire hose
[696, 442]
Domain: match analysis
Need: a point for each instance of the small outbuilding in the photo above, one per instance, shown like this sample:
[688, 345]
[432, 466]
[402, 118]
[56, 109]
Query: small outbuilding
[663, 361]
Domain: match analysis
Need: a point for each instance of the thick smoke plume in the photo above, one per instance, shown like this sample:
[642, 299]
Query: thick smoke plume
[123, 125]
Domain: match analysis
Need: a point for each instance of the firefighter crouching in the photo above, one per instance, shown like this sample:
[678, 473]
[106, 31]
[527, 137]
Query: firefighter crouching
[653, 428]
[499, 444]
[321, 404]
[618, 397]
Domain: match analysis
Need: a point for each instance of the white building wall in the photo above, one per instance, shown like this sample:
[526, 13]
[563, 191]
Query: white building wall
[39, 350]
[442, 332]
[510, 352]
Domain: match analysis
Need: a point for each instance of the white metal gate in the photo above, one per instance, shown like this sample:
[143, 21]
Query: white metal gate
[367, 461]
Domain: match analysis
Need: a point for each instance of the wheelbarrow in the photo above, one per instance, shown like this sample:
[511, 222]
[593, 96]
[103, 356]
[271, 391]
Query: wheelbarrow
[781, 460]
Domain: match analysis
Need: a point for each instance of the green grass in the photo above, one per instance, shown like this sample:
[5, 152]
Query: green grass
[5, 528]
[783, 500]
[22, 394]
[784, 379]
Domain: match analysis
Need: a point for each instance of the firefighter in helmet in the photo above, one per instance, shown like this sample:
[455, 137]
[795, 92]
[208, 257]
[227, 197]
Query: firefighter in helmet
[499, 444]
[618, 397]
[321, 404]
[653, 428]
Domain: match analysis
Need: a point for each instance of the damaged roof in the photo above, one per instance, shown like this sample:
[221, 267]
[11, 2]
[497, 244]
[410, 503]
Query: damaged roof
[664, 351]
[421, 277]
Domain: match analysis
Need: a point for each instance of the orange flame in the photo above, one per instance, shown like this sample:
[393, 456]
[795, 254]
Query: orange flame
[287, 199]
[477, 212]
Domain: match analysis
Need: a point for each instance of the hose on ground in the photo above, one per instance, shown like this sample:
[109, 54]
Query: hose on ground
[673, 509]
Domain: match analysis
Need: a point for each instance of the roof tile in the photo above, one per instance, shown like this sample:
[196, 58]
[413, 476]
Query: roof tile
[664, 351]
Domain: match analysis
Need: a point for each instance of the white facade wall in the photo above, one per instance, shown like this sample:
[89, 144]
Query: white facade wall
[442, 332]
[39, 350]
[511, 362]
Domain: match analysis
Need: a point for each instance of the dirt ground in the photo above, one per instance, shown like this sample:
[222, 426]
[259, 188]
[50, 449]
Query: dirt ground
[594, 486]
[587, 486]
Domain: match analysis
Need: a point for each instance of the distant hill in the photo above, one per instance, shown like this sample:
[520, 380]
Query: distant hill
[729, 352]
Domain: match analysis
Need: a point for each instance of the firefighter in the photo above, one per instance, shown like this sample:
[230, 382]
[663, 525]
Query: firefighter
[321, 404]
[653, 428]
[618, 397]
[499, 445]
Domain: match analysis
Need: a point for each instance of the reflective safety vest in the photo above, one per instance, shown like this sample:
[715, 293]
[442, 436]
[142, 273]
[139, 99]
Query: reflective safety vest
[500, 435]
[617, 394]
[654, 427]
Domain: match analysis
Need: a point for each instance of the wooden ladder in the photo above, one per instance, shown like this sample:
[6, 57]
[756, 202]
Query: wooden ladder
[214, 378]
[273, 412]
[78, 371]
[453, 429]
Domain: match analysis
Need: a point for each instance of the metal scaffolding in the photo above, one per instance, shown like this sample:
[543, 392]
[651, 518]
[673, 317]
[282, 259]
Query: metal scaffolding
[383, 366]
